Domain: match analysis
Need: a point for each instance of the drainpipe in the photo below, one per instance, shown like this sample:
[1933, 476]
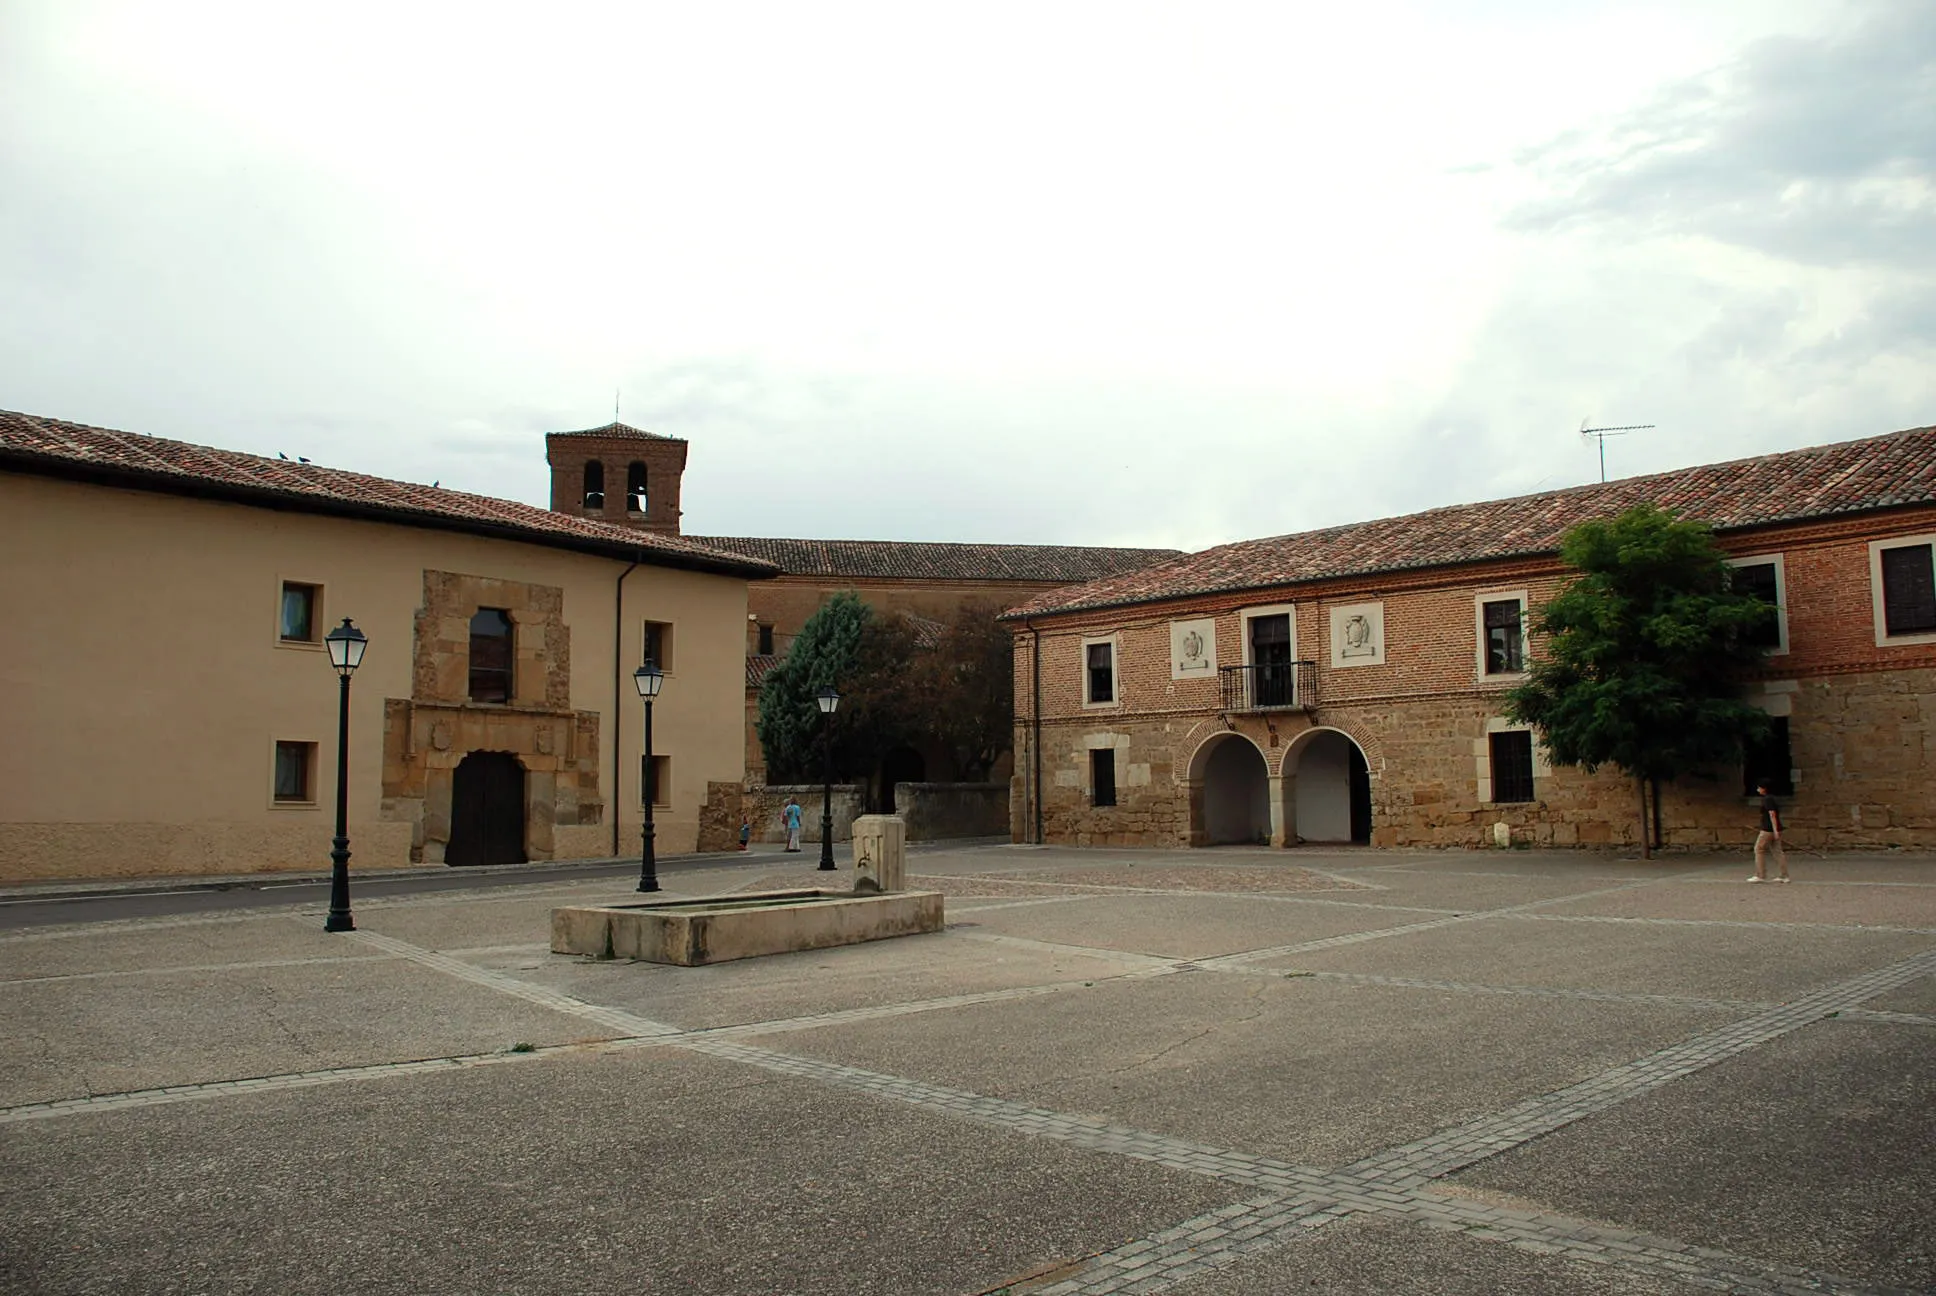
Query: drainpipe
[618, 682]
[1035, 724]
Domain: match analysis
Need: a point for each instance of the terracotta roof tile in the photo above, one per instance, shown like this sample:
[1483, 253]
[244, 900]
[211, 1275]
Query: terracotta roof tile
[616, 430]
[1822, 481]
[919, 560]
[60, 448]
[758, 667]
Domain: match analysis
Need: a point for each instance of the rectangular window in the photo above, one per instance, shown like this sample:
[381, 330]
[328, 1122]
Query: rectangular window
[1270, 660]
[1505, 637]
[1908, 590]
[1769, 762]
[1512, 765]
[656, 645]
[1761, 577]
[1102, 776]
[766, 641]
[296, 771]
[492, 655]
[1099, 673]
[656, 781]
[297, 620]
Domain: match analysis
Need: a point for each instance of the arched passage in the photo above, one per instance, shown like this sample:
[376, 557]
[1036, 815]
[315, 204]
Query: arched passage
[487, 810]
[1235, 799]
[1331, 799]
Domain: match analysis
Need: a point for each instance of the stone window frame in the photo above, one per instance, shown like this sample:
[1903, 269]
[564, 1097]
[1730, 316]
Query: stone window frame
[317, 622]
[1479, 601]
[1882, 636]
[1097, 762]
[1482, 753]
[1115, 698]
[1781, 597]
[510, 697]
[312, 758]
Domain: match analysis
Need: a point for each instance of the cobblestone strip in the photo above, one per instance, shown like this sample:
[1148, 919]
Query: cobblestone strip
[1533, 992]
[1439, 1154]
[200, 967]
[1210, 1241]
[615, 1019]
[264, 1084]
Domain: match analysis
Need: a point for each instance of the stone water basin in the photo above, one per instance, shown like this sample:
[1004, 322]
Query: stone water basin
[718, 929]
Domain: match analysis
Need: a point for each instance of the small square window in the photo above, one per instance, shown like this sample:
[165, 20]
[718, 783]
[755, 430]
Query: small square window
[1908, 589]
[657, 781]
[295, 771]
[1102, 776]
[656, 645]
[296, 621]
[1505, 641]
[1512, 765]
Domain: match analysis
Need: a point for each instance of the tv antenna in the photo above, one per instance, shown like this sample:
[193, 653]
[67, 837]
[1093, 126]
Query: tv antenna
[1604, 433]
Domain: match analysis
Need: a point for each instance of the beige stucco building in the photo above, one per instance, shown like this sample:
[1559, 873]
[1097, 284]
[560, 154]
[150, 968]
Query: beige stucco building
[170, 709]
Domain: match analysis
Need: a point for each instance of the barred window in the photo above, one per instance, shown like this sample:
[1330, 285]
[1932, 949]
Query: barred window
[1512, 765]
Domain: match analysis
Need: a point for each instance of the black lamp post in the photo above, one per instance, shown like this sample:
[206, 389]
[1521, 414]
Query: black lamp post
[648, 678]
[346, 644]
[829, 701]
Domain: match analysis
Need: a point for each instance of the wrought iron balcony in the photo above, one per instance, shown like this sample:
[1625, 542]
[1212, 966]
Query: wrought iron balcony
[1272, 686]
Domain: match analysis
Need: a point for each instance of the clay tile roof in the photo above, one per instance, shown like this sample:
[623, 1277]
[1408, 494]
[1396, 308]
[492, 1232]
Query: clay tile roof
[615, 429]
[58, 448]
[758, 667]
[1822, 481]
[1061, 564]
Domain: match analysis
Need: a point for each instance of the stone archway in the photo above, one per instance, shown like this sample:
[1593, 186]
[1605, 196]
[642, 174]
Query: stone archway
[487, 796]
[1327, 788]
[1232, 794]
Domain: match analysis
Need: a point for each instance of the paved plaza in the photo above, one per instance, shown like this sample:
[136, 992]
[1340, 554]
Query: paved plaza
[1209, 1073]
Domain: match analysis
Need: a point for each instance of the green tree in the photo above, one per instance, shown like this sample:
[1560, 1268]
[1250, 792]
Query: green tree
[823, 654]
[967, 683]
[1644, 653]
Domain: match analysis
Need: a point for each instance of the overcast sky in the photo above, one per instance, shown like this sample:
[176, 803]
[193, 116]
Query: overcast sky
[1044, 272]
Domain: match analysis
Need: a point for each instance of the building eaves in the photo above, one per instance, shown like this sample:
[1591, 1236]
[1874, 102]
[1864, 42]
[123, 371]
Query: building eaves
[78, 452]
[1870, 475]
[616, 431]
[937, 561]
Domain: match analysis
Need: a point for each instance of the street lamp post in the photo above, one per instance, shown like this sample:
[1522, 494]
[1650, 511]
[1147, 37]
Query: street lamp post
[647, 679]
[829, 701]
[346, 644]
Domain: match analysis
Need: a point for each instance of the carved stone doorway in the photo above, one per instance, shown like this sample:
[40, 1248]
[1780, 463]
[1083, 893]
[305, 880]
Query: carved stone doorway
[487, 810]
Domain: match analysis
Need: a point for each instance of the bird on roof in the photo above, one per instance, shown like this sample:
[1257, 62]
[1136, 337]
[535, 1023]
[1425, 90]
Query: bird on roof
[300, 459]
[281, 455]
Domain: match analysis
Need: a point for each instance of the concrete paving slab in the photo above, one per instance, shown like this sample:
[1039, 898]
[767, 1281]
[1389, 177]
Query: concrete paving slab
[1734, 963]
[81, 949]
[1734, 899]
[1192, 926]
[1916, 997]
[634, 1172]
[904, 970]
[1378, 1257]
[1477, 891]
[76, 1038]
[1814, 1151]
[1308, 1071]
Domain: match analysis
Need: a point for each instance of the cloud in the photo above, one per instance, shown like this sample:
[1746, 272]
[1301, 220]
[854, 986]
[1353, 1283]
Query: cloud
[1818, 150]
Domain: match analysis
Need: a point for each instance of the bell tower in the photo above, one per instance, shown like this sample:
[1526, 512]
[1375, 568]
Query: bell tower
[618, 474]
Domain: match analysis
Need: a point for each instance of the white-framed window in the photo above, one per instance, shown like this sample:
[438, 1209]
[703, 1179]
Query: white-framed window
[1499, 624]
[1099, 684]
[1270, 653]
[1766, 577]
[1902, 585]
[1510, 761]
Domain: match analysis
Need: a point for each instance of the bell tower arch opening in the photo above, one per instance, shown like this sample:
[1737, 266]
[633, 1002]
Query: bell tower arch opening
[578, 475]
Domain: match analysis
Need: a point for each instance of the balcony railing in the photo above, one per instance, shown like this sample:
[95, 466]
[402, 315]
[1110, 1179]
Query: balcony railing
[1272, 686]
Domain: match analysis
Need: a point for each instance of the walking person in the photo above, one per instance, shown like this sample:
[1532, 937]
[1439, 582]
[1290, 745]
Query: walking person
[792, 817]
[1769, 838]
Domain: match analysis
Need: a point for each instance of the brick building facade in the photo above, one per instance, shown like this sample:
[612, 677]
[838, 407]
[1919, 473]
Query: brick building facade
[1344, 685]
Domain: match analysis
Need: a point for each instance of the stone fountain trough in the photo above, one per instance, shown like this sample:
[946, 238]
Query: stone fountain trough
[717, 929]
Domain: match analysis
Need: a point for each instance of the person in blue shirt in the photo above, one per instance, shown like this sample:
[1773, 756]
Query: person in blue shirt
[792, 817]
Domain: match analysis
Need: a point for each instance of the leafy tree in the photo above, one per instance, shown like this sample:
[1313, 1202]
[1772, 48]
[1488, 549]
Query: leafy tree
[968, 681]
[1644, 654]
[823, 654]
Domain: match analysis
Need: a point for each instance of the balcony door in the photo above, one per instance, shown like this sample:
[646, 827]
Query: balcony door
[1270, 660]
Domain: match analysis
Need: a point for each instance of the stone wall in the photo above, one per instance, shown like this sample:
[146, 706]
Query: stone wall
[940, 811]
[719, 817]
[762, 806]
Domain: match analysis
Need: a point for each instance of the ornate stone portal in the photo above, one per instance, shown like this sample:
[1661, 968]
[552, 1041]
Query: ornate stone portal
[427, 735]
